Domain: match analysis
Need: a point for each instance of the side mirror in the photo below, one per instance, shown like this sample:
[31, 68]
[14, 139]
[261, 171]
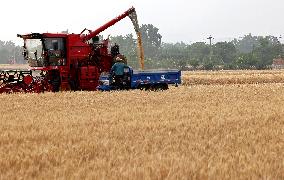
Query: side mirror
[35, 53]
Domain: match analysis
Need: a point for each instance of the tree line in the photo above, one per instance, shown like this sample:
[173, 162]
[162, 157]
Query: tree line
[10, 53]
[248, 52]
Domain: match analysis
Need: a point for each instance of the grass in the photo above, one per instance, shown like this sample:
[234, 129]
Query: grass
[219, 125]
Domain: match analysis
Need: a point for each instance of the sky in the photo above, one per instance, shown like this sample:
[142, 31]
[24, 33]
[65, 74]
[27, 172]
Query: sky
[178, 20]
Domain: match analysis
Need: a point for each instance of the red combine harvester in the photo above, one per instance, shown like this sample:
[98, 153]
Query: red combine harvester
[64, 61]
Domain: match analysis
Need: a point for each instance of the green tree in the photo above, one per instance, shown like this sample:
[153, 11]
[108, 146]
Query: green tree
[151, 39]
[199, 51]
[208, 63]
[245, 61]
[224, 52]
[268, 49]
[246, 44]
[175, 55]
[194, 63]
[9, 51]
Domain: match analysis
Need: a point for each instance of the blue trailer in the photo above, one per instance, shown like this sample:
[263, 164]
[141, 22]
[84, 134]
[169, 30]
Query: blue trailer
[143, 79]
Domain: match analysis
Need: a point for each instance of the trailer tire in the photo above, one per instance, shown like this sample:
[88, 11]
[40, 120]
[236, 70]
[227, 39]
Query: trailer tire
[165, 86]
[141, 87]
[161, 87]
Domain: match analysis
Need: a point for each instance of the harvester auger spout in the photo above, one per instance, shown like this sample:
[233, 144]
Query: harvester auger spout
[108, 24]
[131, 13]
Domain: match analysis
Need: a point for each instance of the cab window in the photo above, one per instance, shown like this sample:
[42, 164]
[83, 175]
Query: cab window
[56, 53]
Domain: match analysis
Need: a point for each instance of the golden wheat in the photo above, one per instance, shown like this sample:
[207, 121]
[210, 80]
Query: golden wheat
[233, 77]
[13, 66]
[229, 131]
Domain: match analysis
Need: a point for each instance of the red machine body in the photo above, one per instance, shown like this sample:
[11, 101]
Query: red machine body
[66, 61]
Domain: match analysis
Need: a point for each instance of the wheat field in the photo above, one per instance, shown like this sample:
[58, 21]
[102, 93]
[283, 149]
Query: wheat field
[233, 77]
[222, 130]
[13, 66]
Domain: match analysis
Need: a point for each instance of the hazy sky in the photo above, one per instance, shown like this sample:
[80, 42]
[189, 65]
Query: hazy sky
[177, 20]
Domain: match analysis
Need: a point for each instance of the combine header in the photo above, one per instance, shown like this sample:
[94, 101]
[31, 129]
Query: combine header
[66, 61]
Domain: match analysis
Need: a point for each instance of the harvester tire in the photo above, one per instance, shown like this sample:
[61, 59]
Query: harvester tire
[56, 81]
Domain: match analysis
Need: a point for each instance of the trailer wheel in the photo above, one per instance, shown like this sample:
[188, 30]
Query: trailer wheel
[142, 88]
[148, 87]
[165, 87]
[161, 87]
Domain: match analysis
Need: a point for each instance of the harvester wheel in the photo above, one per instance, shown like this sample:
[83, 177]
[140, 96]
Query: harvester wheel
[55, 81]
[55, 86]
[28, 79]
